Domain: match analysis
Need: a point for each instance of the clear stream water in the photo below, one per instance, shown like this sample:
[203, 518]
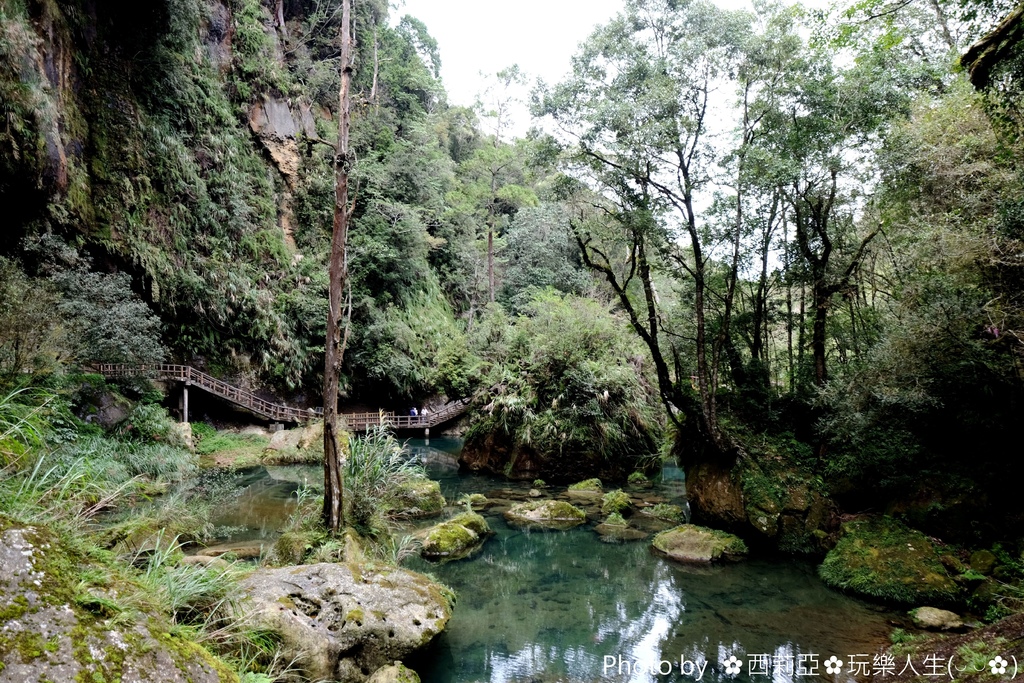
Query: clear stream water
[564, 606]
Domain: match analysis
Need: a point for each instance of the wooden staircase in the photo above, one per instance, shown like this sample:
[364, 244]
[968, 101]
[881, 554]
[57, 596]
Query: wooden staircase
[276, 412]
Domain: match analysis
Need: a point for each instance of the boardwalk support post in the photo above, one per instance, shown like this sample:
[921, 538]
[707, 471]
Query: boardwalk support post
[184, 402]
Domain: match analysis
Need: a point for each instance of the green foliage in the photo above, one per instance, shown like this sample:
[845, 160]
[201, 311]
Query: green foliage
[539, 255]
[148, 422]
[375, 468]
[615, 519]
[23, 425]
[226, 441]
[567, 383]
[638, 479]
[614, 501]
[670, 513]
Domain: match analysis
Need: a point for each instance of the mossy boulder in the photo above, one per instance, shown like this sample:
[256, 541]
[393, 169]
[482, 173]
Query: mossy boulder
[692, 544]
[983, 561]
[545, 514]
[772, 495]
[54, 626]
[614, 501]
[665, 511]
[591, 485]
[342, 621]
[419, 498]
[884, 559]
[476, 501]
[455, 539]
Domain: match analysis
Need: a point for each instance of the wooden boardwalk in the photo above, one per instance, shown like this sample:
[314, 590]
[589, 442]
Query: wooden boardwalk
[276, 412]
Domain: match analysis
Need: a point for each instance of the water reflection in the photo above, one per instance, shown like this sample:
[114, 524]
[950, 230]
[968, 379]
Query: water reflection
[562, 606]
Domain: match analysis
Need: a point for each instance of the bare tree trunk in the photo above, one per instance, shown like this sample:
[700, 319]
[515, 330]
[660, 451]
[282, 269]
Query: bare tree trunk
[490, 263]
[334, 507]
[279, 17]
[800, 344]
[789, 306]
[820, 297]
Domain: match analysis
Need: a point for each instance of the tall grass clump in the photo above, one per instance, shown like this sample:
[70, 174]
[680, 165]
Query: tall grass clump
[23, 425]
[377, 465]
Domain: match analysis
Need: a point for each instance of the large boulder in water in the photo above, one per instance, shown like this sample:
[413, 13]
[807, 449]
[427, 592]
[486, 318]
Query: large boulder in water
[546, 514]
[342, 622]
[455, 539]
[884, 559]
[54, 629]
[419, 498]
[694, 544]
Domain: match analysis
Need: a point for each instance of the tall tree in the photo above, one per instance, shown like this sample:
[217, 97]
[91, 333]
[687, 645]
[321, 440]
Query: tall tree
[639, 105]
[334, 504]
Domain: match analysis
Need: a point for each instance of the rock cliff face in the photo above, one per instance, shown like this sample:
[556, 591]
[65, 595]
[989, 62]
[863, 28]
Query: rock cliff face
[47, 635]
[343, 622]
[162, 138]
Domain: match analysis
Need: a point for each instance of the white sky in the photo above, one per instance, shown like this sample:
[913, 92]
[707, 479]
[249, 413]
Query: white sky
[489, 35]
[478, 38]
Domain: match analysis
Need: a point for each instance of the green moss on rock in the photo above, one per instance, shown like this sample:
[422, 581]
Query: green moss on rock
[455, 539]
[473, 522]
[665, 511]
[419, 498]
[886, 560]
[694, 544]
[545, 514]
[587, 485]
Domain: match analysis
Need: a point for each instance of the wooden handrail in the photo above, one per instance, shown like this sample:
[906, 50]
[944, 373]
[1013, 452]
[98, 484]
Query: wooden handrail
[357, 422]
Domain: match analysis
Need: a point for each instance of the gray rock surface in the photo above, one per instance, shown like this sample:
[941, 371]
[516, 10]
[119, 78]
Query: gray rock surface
[396, 673]
[47, 636]
[692, 544]
[342, 622]
[935, 619]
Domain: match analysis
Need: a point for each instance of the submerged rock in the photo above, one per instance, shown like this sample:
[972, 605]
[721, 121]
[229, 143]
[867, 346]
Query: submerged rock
[547, 514]
[455, 539]
[341, 622]
[419, 498]
[884, 559]
[618, 533]
[935, 619]
[52, 629]
[694, 544]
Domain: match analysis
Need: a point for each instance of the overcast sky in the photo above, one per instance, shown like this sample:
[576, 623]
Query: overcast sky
[488, 35]
[477, 38]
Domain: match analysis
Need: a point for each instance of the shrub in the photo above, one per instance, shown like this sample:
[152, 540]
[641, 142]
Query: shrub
[614, 502]
[148, 422]
[615, 519]
[638, 479]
